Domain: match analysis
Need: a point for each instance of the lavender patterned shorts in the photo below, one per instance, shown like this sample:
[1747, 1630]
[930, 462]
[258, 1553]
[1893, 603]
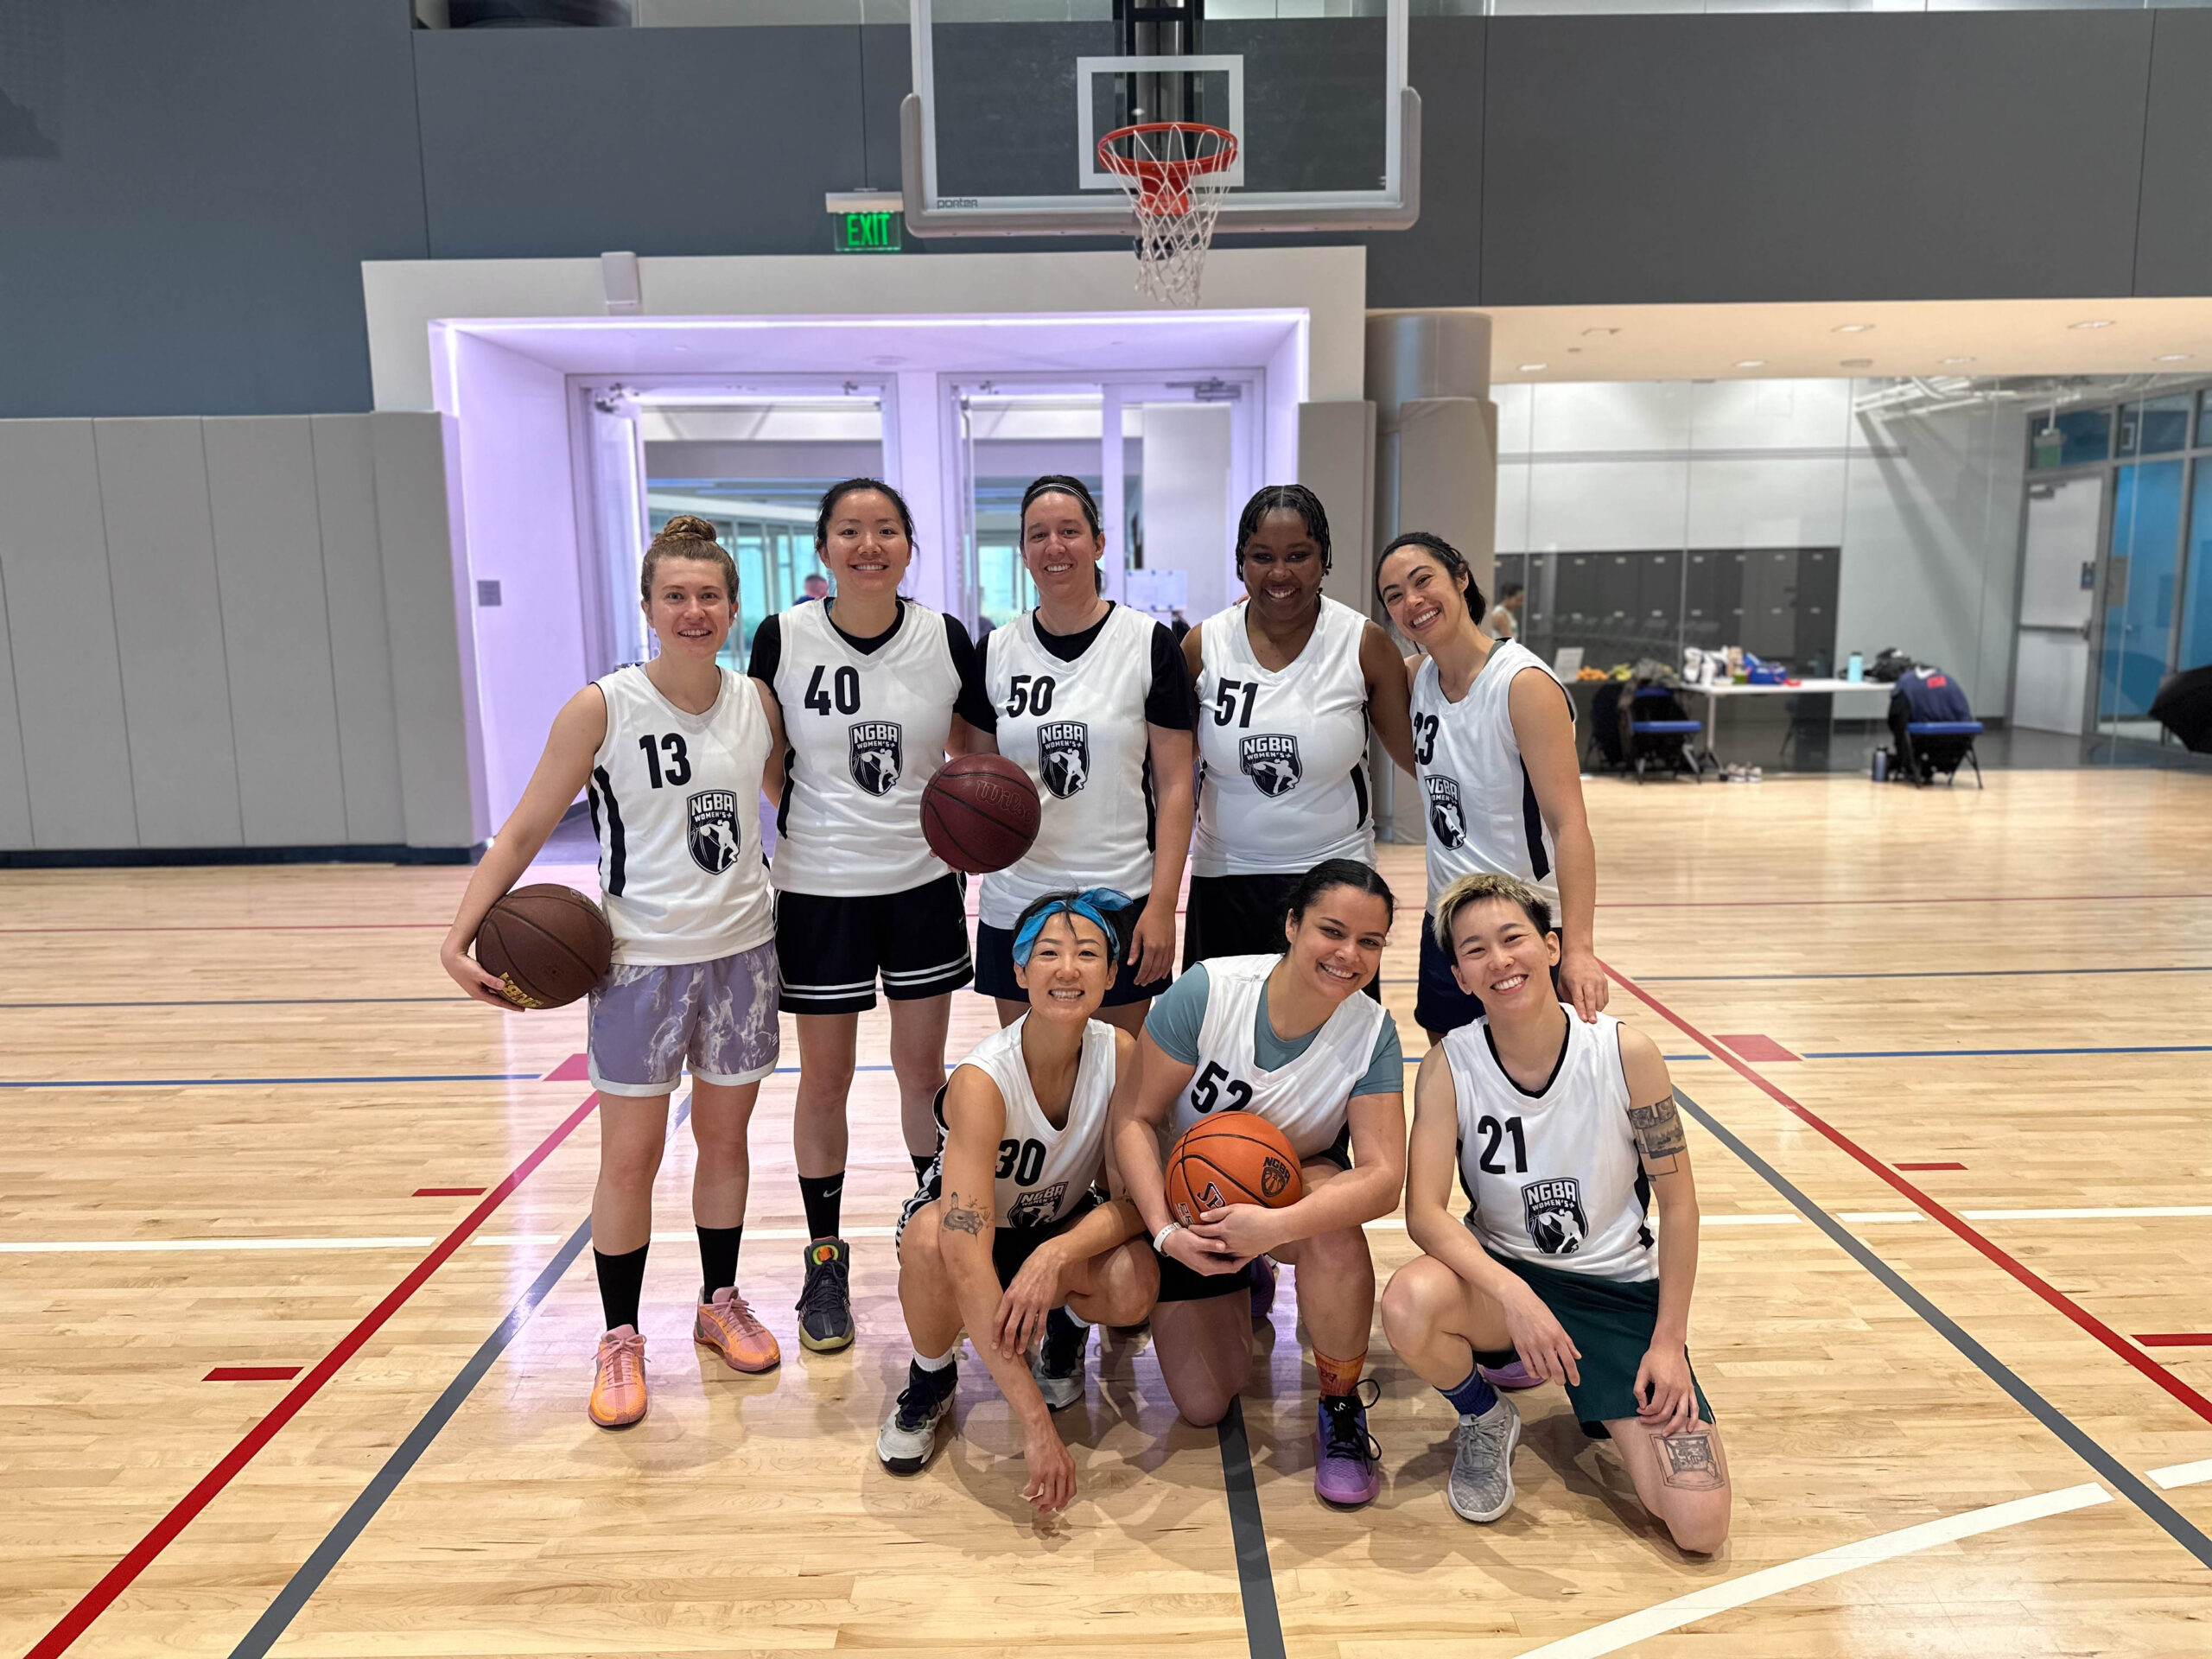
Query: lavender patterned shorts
[718, 1017]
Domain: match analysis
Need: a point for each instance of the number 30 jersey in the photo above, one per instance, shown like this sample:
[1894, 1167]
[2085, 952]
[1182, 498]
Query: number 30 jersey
[674, 800]
[1554, 1176]
[864, 732]
[1305, 1099]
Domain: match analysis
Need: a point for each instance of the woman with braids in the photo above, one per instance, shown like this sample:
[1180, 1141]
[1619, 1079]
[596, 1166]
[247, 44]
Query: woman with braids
[875, 690]
[1289, 684]
[1494, 752]
[676, 754]
[1091, 699]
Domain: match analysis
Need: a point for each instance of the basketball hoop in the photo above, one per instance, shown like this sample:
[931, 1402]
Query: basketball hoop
[1176, 174]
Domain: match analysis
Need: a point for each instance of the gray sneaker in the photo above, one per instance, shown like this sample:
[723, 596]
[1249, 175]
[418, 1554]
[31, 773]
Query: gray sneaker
[909, 1433]
[1481, 1487]
[1056, 1362]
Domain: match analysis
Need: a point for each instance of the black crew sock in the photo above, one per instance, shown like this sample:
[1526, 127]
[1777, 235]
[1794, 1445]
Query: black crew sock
[922, 1162]
[621, 1282]
[717, 1258]
[823, 1197]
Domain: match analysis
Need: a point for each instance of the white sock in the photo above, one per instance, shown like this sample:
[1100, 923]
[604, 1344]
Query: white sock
[1081, 1323]
[941, 1361]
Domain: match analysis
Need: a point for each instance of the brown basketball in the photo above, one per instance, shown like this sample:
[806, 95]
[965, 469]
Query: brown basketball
[548, 942]
[979, 813]
[1237, 1157]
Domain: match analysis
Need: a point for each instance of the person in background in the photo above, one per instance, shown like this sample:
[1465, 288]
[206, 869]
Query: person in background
[1505, 621]
[814, 589]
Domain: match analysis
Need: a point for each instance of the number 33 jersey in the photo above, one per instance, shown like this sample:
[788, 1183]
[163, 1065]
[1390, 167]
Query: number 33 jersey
[1307, 1098]
[674, 800]
[1554, 1175]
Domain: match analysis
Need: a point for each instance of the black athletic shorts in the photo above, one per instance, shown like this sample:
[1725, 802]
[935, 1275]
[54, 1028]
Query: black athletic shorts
[832, 948]
[1240, 916]
[1180, 1284]
[994, 964]
[1441, 1006]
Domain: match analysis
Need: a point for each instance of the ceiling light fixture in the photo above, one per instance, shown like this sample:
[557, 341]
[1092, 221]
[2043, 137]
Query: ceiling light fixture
[1593, 333]
[2095, 322]
[1856, 363]
[1752, 363]
[1533, 368]
[2175, 357]
[1854, 328]
[1950, 360]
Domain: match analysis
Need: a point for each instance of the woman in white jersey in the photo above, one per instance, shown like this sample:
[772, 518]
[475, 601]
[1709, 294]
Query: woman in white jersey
[1494, 753]
[675, 754]
[1289, 1036]
[1010, 1235]
[1092, 700]
[1288, 685]
[1562, 1131]
[874, 691]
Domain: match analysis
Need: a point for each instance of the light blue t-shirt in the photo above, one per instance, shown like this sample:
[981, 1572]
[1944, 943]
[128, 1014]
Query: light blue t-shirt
[1178, 1014]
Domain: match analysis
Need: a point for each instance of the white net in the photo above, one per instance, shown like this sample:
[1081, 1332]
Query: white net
[1176, 175]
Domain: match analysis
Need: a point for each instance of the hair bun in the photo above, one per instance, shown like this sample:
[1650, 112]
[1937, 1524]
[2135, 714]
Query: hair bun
[688, 524]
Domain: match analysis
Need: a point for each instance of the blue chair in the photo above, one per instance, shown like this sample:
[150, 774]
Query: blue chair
[1934, 746]
[1661, 734]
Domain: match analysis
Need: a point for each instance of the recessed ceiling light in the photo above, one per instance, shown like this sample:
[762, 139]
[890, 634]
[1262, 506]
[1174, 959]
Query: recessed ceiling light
[1752, 363]
[1856, 363]
[1958, 359]
[1593, 334]
[1855, 329]
[1532, 368]
[2175, 357]
[2095, 322]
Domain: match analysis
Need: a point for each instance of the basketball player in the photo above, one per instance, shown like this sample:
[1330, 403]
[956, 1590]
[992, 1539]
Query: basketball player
[1289, 1037]
[675, 754]
[1287, 683]
[1562, 1130]
[1493, 734]
[1009, 1235]
[1093, 701]
[874, 691]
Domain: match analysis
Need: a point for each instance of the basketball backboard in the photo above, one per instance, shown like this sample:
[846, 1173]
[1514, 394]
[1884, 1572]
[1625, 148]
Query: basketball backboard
[1000, 134]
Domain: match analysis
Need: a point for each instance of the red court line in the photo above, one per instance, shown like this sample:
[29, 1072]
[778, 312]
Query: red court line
[453, 1191]
[1930, 1165]
[119, 1578]
[1753, 1046]
[2058, 1299]
[251, 1374]
[2179, 1339]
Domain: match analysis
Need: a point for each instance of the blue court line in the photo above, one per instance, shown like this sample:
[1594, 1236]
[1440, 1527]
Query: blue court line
[1947, 973]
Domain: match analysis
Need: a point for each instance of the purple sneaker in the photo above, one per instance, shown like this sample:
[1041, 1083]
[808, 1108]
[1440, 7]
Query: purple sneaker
[1515, 1376]
[1263, 1286]
[1346, 1459]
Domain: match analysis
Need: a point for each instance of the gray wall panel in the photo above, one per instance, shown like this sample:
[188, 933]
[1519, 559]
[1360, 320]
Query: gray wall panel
[15, 788]
[269, 561]
[1758, 158]
[1443, 251]
[2174, 230]
[61, 635]
[433, 652]
[353, 569]
[169, 621]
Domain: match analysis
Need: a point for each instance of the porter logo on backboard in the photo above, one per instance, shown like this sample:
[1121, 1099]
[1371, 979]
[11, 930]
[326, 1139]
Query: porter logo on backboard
[1270, 760]
[872, 755]
[1064, 756]
[712, 835]
[1552, 1210]
[1445, 820]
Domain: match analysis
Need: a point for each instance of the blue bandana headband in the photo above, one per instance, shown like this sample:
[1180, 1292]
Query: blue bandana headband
[1096, 904]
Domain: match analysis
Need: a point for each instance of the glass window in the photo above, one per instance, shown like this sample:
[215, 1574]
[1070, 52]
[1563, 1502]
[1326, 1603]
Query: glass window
[2139, 593]
[2196, 583]
[2070, 438]
[2157, 426]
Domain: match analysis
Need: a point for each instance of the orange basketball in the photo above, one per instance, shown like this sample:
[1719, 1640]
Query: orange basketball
[1237, 1157]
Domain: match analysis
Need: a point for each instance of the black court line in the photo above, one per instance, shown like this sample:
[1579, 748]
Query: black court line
[2069, 1433]
[318, 1567]
[1256, 1577]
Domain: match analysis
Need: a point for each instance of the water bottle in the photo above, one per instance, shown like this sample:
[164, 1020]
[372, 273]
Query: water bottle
[1855, 669]
[1881, 765]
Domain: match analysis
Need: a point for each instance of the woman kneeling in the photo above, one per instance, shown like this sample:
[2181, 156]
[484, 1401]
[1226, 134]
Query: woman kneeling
[1562, 1131]
[1008, 1236]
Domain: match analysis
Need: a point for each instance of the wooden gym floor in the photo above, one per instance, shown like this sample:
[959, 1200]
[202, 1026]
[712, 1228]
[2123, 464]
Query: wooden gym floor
[276, 1377]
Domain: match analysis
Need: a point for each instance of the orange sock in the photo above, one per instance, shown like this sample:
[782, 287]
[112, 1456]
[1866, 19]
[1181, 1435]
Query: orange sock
[1340, 1375]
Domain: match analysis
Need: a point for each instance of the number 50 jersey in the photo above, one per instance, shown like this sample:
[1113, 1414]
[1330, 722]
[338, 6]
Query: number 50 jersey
[1305, 1099]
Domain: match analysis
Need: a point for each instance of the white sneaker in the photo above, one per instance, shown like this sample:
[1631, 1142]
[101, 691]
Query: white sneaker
[909, 1436]
[1481, 1483]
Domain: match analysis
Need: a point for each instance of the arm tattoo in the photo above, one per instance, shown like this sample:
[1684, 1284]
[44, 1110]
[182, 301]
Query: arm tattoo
[969, 1219]
[1658, 1131]
[1690, 1463]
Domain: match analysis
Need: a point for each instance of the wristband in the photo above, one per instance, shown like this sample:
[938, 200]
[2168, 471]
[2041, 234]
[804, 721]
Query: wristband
[1160, 1238]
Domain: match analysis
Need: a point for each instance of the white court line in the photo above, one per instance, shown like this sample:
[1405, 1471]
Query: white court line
[1616, 1634]
[2182, 1474]
[105, 1246]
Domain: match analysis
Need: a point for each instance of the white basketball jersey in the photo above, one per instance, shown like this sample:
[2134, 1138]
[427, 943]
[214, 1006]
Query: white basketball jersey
[1043, 1172]
[865, 731]
[1482, 808]
[1305, 1099]
[676, 803]
[1078, 730]
[1554, 1177]
[1284, 784]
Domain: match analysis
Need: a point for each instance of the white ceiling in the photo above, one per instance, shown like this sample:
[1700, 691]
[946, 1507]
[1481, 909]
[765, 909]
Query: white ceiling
[1924, 337]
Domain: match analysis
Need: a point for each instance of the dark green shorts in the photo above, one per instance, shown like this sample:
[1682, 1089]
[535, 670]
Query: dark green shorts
[1611, 1322]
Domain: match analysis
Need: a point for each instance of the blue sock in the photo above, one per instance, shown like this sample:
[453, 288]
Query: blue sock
[1472, 1397]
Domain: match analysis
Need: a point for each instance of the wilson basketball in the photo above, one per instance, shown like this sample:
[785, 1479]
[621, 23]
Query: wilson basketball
[979, 813]
[549, 943]
[1237, 1157]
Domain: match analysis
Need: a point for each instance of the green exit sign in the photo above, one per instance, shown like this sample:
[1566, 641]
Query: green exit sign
[869, 233]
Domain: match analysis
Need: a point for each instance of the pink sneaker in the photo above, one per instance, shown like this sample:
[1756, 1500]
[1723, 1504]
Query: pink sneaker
[1515, 1376]
[726, 1326]
[618, 1387]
